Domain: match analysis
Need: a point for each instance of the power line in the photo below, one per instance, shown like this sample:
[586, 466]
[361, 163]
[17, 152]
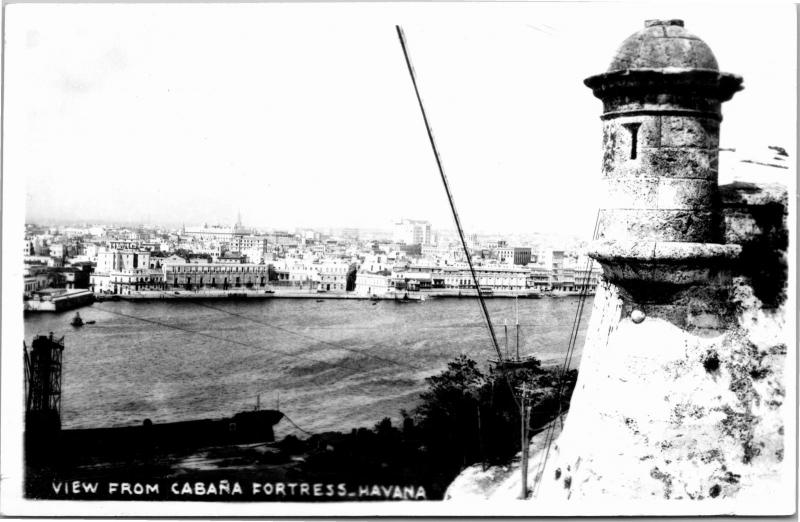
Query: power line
[440, 327]
[232, 341]
[460, 230]
[311, 338]
[550, 434]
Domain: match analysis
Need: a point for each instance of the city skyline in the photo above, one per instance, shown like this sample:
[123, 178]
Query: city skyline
[320, 125]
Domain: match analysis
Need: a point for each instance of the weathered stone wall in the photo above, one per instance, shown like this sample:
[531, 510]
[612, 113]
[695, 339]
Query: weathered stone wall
[663, 409]
[660, 412]
[660, 172]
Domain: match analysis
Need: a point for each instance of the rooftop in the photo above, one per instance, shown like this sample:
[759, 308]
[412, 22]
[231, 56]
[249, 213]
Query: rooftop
[663, 44]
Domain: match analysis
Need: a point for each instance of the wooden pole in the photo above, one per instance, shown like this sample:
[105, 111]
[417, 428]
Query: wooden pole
[480, 439]
[505, 329]
[524, 441]
[516, 301]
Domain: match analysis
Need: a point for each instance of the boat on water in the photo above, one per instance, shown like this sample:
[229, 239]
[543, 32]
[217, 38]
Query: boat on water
[511, 362]
[77, 321]
[45, 439]
[245, 427]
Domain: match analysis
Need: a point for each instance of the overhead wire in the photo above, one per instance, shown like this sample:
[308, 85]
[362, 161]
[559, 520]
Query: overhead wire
[484, 309]
[226, 340]
[550, 433]
[312, 338]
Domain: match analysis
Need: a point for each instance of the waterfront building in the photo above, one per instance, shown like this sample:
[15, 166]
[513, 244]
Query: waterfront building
[77, 276]
[539, 278]
[127, 280]
[333, 275]
[494, 277]
[57, 299]
[564, 280]
[221, 276]
[370, 283]
[34, 282]
[296, 271]
[125, 271]
[110, 260]
[587, 280]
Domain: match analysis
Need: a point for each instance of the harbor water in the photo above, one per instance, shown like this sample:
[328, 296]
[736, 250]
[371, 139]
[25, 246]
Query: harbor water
[329, 365]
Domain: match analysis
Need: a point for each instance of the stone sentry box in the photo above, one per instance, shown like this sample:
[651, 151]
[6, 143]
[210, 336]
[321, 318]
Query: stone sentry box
[660, 229]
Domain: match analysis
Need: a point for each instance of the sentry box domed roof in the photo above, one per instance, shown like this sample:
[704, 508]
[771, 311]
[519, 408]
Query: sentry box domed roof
[663, 44]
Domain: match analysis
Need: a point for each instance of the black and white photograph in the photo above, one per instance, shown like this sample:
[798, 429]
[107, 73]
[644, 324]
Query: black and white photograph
[399, 259]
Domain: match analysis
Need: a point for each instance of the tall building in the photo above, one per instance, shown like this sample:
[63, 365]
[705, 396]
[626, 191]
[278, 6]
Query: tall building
[412, 231]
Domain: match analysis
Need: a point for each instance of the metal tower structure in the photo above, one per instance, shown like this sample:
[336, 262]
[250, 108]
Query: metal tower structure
[43, 384]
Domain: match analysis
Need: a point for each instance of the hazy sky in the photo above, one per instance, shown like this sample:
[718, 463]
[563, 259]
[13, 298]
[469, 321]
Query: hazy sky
[304, 114]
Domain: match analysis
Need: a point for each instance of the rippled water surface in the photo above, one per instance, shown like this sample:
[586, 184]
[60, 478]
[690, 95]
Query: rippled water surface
[333, 365]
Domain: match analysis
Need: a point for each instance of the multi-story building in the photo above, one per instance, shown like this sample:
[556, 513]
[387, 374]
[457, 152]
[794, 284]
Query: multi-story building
[34, 282]
[539, 278]
[494, 277]
[564, 280]
[252, 246]
[374, 276]
[127, 280]
[124, 244]
[333, 275]
[110, 260]
[376, 263]
[230, 258]
[220, 276]
[373, 283]
[125, 271]
[513, 255]
[284, 239]
[296, 271]
[216, 233]
[412, 231]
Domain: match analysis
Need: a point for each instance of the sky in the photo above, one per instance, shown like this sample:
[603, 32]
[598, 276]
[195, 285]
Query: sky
[304, 115]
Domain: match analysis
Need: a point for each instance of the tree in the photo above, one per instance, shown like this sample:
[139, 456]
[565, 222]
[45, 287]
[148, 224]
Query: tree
[448, 413]
[466, 416]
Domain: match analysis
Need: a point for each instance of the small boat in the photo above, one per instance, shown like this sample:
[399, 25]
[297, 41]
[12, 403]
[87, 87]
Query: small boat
[89, 322]
[77, 321]
[320, 300]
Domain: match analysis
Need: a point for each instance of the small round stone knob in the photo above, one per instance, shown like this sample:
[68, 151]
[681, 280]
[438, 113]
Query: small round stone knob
[637, 316]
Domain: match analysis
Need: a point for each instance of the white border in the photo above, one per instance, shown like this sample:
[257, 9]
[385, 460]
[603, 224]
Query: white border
[12, 503]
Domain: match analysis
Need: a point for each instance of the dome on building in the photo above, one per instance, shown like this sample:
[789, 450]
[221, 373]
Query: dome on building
[662, 44]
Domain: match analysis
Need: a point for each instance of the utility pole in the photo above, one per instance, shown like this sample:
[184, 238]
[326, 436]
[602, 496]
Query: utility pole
[516, 303]
[525, 416]
[505, 329]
